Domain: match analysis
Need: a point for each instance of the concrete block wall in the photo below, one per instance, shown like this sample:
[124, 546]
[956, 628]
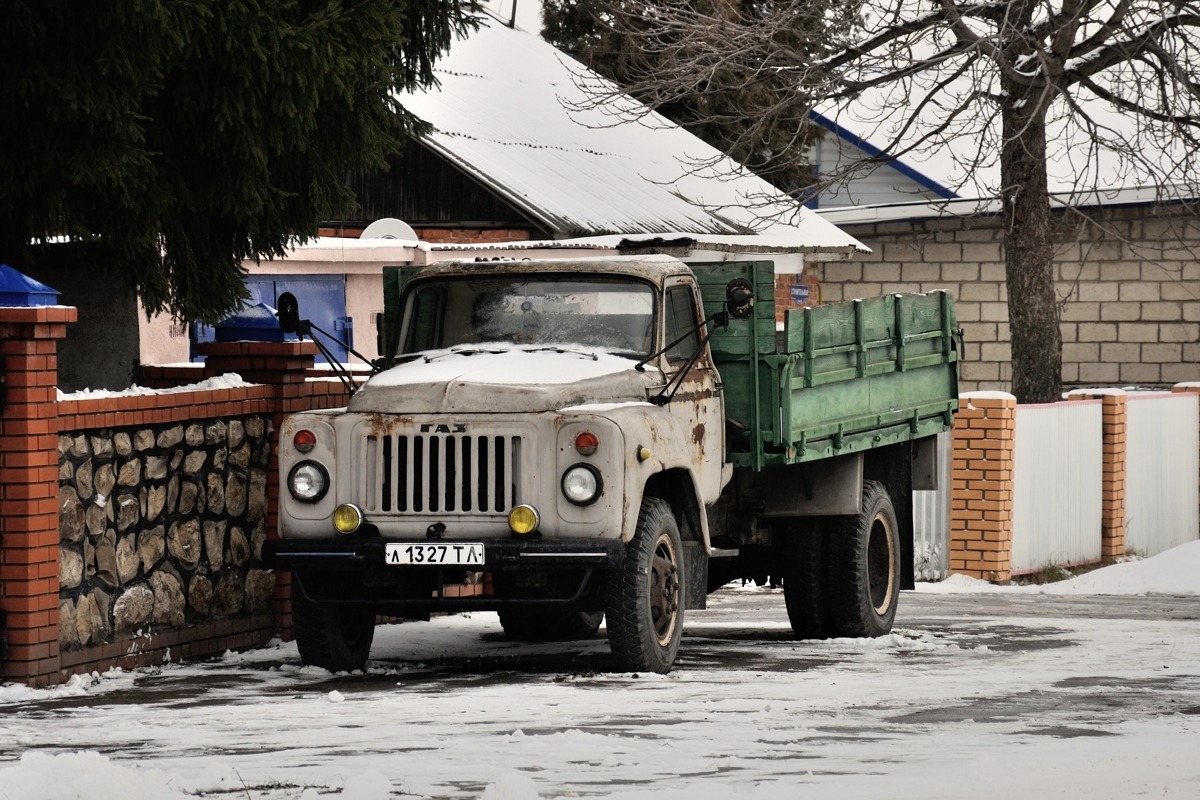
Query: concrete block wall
[1129, 283]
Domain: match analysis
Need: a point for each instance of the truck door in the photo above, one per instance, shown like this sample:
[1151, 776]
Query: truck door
[697, 406]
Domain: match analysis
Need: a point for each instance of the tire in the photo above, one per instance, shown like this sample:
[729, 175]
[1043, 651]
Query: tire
[644, 598]
[549, 624]
[804, 589]
[332, 636]
[862, 563]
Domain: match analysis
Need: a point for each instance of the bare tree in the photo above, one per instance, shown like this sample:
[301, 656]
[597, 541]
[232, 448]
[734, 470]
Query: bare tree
[1103, 92]
[713, 108]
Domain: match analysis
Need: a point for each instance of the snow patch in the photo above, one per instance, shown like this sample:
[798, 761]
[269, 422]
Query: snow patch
[230, 380]
[511, 785]
[503, 366]
[76, 776]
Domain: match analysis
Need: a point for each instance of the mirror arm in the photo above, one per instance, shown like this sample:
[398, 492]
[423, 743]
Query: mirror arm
[664, 397]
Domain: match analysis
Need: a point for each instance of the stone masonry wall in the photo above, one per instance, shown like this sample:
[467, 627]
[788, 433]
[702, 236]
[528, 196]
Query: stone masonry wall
[1129, 286]
[161, 527]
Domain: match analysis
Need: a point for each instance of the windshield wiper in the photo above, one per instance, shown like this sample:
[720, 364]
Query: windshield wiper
[558, 348]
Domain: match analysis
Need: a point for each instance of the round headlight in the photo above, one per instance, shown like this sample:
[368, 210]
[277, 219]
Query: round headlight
[523, 519]
[581, 484]
[308, 481]
[347, 518]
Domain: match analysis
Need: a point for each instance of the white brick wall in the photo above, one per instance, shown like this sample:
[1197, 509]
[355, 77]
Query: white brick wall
[1130, 290]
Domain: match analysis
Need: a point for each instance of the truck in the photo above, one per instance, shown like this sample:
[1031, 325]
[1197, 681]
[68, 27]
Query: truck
[580, 442]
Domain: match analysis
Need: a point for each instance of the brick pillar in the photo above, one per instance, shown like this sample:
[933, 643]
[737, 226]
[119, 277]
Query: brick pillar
[29, 492]
[1112, 476]
[283, 365]
[271, 363]
[981, 500]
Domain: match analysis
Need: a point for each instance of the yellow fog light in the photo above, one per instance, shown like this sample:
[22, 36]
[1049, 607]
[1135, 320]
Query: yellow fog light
[347, 518]
[524, 520]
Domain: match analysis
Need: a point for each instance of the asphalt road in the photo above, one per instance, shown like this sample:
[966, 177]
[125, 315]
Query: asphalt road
[987, 695]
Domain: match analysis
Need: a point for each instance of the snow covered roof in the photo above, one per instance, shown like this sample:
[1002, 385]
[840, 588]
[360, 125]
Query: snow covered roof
[509, 111]
[976, 206]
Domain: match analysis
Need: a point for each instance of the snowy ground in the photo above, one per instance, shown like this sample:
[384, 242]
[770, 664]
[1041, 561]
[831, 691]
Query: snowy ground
[1078, 690]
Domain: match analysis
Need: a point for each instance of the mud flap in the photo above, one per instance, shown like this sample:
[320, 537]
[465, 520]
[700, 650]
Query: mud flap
[695, 566]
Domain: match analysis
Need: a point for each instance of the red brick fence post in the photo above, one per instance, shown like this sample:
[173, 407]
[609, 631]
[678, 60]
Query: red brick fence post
[981, 501]
[29, 492]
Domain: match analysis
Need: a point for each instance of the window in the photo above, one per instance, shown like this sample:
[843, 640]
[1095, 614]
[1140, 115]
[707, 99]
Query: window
[598, 313]
[681, 323]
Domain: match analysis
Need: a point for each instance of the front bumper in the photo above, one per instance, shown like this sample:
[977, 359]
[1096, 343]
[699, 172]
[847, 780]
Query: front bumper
[353, 570]
[351, 553]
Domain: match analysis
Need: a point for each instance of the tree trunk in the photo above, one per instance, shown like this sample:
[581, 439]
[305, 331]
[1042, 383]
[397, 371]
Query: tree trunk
[1029, 255]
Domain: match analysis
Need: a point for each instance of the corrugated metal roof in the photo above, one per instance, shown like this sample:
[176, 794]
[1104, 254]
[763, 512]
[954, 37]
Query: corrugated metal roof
[509, 112]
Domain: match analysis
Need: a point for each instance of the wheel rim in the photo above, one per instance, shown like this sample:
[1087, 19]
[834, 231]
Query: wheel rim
[664, 590]
[881, 565]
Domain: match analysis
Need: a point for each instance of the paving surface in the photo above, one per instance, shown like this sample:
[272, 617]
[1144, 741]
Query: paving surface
[1071, 696]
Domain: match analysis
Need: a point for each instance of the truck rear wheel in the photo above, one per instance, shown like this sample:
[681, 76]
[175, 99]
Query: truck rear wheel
[549, 624]
[804, 578]
[644, 598]
[335, 637]
[862, 563]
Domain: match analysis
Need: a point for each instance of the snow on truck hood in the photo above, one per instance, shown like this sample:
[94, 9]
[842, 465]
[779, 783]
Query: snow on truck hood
[500, 378]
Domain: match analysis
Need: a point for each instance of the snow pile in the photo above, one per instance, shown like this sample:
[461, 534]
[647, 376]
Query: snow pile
[76, 686]
[511, 785]
[69, 776]
[230, 380]
[1175, 571]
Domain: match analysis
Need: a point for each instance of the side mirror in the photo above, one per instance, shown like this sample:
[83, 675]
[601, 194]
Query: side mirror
[288, 313]
[739, 298]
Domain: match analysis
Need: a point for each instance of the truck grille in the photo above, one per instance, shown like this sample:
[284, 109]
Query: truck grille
[432, 473]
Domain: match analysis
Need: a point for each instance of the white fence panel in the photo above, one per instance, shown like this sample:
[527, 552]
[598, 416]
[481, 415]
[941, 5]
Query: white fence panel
[1162, 437]
[1057, 485]
[931, 519]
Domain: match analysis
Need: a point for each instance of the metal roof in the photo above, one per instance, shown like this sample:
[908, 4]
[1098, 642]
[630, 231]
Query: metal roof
[510, 112]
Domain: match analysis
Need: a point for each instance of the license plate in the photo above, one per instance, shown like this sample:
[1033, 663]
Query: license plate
[456, 554]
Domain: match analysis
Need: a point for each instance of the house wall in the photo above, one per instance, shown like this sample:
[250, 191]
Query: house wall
[1129, 284]
[881, 185]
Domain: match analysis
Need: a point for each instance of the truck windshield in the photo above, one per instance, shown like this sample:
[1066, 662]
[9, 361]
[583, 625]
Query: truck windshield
[616, 315]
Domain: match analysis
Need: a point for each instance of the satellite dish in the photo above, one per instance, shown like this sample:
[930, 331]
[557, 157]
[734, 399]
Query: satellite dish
[389, 228]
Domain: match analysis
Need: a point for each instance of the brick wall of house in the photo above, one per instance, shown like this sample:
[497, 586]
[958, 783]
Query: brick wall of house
[1129, 286]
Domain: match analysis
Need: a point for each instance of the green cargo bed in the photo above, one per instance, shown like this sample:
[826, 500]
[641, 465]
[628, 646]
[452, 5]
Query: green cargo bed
[838, 378]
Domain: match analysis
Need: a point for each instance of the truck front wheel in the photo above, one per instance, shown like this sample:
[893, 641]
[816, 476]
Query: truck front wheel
[862, 563]
[335, 637]
[644, 598]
